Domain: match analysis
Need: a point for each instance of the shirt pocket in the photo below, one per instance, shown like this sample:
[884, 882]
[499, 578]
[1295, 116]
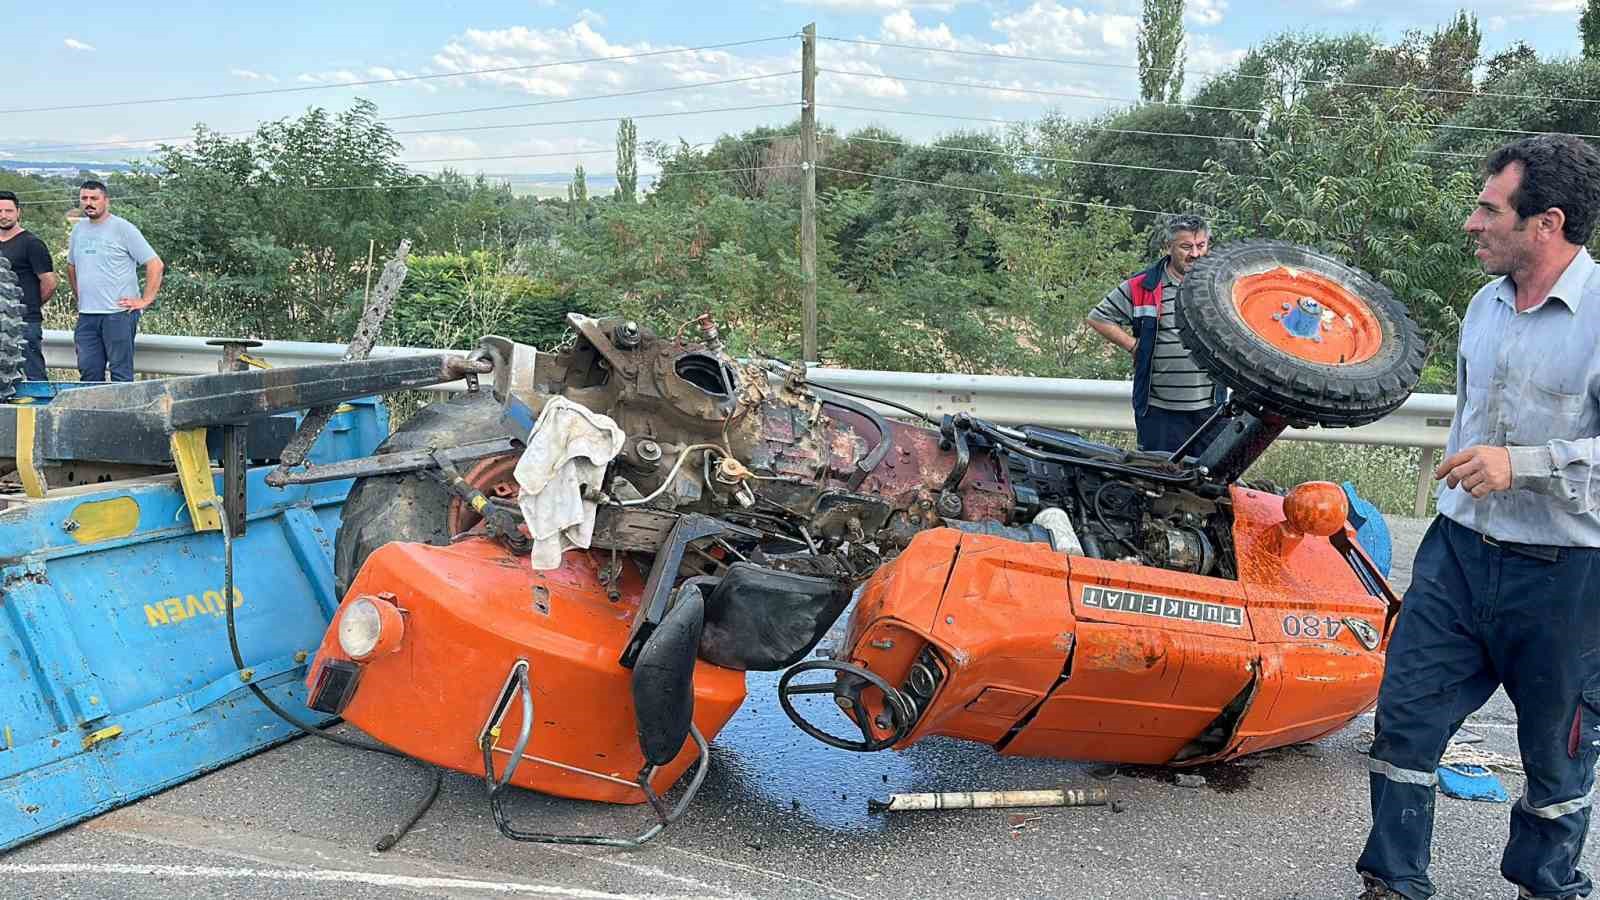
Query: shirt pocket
[1544, 414]
[1479, 417]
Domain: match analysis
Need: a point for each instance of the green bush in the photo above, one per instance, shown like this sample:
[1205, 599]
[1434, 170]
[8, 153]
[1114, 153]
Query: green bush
[451, 300]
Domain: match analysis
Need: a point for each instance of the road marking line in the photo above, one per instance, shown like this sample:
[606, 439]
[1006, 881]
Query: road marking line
[375, 879]
[273, 849]
[756, 870]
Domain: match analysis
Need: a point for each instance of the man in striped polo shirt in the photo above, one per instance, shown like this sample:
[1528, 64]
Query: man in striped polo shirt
[1172, 396]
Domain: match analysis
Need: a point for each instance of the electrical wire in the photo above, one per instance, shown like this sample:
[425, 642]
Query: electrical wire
[1009, 194]
[394, 835]
[1018, 57]
[612, 96]
[434, 185]
[1057, 159]
[1024, 122]
[136, 143]
[1325, 116]
[464, 73]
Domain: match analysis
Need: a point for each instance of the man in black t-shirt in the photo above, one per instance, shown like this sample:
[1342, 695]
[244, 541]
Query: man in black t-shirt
[30, 260]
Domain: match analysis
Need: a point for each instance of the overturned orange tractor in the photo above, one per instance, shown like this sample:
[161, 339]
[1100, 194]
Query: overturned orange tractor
[559, 584]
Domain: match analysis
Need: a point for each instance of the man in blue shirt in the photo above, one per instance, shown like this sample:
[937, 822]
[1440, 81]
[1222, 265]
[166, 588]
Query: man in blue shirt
[103, 259]
[1506, 585]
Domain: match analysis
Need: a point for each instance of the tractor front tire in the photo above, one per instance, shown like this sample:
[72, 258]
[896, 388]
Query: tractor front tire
[1295, 332]
[411, 506]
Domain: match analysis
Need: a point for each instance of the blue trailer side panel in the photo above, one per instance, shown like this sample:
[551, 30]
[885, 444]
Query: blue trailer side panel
[115, 675]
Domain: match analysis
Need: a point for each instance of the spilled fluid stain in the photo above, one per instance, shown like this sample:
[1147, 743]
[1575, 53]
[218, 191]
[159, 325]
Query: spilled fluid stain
[1223, 778]
[779, 777]
[769, 767]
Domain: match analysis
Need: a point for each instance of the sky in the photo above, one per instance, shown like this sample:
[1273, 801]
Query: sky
[108, 56]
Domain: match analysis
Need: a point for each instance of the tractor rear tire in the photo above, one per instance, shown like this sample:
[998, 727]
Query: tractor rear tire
[412, 506]
[1350, 357]
[12, 340]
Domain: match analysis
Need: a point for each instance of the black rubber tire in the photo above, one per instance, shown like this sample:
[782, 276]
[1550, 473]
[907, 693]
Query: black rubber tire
[12, 339]
[412, 506]
[1264, 378]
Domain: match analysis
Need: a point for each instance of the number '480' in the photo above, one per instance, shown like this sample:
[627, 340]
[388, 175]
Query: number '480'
[1311, 627]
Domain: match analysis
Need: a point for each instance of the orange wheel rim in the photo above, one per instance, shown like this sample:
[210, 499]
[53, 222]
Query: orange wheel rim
[496, 478]
[1308, 316]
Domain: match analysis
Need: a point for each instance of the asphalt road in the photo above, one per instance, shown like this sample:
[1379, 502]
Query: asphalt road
[780, 816]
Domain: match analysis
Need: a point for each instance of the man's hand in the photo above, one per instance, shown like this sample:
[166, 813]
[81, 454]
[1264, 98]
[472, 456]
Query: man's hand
[1114, 334]
[133, 303]
[1479, 470]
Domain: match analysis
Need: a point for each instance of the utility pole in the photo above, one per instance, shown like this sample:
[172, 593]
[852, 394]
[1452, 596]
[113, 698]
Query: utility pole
[808, 188]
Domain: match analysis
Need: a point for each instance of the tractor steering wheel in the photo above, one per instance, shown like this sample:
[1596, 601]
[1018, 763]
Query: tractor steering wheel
[900, 709]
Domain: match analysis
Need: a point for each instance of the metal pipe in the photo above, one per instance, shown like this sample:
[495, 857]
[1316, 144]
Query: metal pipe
[1098, 796]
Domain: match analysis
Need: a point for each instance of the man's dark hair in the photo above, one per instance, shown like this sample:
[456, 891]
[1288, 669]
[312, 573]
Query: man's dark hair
[93, 185]
[7, 195]
[1559, 171]
[1190, 222]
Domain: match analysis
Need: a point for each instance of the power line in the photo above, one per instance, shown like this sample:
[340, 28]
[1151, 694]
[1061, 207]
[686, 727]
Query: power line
[448, 112]
[407, 78]
[1057, 159]
[1037, 91]
[425, 185]
[664, 115]
[1326, 116]
[1010, 194]
[1107, 65]
[654, 90]
[1024, 122]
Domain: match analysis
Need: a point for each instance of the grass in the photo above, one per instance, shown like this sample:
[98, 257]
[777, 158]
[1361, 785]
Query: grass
[1384, 476]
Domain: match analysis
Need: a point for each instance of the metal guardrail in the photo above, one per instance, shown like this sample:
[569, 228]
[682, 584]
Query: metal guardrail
[1422, 422]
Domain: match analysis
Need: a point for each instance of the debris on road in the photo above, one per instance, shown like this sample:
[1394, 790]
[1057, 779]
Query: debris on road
[991, 799]
[1185, 780]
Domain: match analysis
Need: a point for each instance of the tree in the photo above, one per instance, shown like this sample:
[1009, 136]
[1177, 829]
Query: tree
[1161, 51]
[1589, 25]
[627, 160]
[1505, 62]
[578, 189]
[1441, 62]
[268, 234]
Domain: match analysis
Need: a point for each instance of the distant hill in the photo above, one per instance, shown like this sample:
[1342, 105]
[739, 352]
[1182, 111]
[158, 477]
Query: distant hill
[33, 167]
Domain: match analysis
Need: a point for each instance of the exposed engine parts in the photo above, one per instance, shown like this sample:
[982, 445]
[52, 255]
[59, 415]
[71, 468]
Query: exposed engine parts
[817, 474]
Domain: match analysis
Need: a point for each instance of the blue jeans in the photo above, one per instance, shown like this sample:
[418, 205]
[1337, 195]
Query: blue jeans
[105, 340]
[33, 351]
[1479, 615]
[1164, 430]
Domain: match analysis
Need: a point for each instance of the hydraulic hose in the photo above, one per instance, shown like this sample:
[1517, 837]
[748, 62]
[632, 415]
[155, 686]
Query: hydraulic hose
[394, 835]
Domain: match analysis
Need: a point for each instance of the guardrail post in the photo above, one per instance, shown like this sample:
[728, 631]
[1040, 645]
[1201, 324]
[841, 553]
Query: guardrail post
[1424, 481]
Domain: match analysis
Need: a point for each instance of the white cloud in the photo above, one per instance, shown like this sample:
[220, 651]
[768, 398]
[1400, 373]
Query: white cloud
[75, 44]
[1049, 29]
[372, 73]
[249, 75]
[901, 27]
[1496, 23]
[868, 7]
[1205, 12]
[1207, 54]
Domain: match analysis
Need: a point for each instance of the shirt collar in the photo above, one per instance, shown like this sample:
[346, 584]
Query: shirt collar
[1568, 288]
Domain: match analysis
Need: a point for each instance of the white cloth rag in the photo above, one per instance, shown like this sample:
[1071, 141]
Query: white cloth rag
[569, 447]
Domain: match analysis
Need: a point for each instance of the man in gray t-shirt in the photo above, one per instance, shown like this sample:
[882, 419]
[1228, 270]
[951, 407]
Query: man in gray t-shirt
[103, 259]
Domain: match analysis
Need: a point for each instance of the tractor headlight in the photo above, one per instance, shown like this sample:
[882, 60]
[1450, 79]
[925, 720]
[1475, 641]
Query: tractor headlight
[368, 625]
[360, 626]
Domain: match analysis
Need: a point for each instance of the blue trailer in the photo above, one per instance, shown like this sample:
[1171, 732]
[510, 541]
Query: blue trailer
[116, 679]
